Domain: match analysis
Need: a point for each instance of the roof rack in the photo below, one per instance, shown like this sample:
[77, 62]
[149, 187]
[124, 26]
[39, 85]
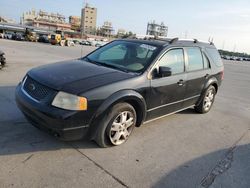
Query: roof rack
[194, 40]
[174, 40]
[191, 40]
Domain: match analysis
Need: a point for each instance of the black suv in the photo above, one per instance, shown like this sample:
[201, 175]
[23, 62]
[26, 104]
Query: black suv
[123, 84]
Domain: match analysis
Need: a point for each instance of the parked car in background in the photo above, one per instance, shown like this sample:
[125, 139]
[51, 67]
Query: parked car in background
[100, 43]
[2, 59]
[18, 37]
[119, 86]
[239, 59]
[8, 35]
[76, 41]
[43, 39]
[246, 59]
[86, 43]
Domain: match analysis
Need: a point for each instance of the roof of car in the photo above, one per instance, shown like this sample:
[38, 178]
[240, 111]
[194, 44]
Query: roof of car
[173, 41]
[150, 42]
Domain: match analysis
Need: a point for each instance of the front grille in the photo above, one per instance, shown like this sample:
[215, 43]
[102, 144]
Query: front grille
[36, 90]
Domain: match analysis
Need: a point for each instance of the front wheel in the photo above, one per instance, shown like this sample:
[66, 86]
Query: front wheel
[207, 101]
[116, 126]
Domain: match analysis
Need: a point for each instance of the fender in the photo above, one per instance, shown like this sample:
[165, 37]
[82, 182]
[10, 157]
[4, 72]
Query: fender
[120, 96]
[211, 81]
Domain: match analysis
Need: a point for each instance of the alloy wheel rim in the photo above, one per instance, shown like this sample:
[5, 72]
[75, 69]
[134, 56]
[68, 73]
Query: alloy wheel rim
[121, 127]
[208, 101]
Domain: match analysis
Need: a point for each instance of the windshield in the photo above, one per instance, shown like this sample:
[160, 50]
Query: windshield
[124, 55]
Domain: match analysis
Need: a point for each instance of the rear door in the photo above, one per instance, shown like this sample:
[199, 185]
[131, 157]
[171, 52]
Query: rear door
[198, 71]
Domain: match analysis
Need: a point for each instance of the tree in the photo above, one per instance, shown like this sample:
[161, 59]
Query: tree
[128, 35]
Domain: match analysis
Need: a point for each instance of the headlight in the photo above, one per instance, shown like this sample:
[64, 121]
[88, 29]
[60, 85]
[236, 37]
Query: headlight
[69, 102]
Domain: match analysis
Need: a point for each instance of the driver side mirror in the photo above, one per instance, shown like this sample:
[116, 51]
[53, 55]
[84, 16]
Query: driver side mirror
[164, 72]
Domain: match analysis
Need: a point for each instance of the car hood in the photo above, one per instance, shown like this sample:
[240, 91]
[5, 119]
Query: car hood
[76, 76]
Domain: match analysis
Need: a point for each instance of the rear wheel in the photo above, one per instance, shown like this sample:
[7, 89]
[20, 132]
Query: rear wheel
[207, 101]
[2, 62]
[116, 126]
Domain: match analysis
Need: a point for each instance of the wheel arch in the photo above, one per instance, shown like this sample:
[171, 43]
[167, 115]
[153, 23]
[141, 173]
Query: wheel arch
[129, 96]
[212, 81]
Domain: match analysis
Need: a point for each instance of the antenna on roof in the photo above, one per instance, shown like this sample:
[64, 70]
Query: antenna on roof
[195, 41]
[211, 40]
[174, 40]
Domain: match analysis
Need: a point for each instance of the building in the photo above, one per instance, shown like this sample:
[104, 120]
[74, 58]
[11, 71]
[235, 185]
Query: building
[88, 20]
[106, 30]
[121, 32]
[28, 17]
[42, 19]
[75, 22]
[6, 20]
[157, 29]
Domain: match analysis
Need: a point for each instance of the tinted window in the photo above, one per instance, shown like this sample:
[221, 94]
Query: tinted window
[215, 56]
[173, 59]
[195, 61]
[131, 56]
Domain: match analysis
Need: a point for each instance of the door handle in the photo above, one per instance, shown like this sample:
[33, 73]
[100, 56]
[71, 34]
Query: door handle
[206, 76]
[180, 82]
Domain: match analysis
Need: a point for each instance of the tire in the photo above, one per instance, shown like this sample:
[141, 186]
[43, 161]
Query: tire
[67, 43]
[62, 43]
[116, 126]
[207, 101]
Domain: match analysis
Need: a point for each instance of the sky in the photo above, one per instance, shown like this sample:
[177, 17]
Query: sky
[226, 21]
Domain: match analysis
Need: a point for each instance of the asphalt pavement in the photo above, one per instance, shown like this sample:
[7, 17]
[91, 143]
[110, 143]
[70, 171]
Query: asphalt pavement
[182, 150]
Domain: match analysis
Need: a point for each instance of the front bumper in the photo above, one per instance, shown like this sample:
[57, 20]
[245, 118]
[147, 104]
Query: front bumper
[64, 124]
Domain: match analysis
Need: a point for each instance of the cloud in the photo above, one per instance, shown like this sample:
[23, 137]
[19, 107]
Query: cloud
[245, 15]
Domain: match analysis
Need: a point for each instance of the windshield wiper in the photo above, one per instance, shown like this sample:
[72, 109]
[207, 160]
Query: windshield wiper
[105, 64]
[91, 61]
[113, 66]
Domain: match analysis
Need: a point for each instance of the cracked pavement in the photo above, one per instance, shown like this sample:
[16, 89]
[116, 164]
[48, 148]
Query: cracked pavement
[182, 150]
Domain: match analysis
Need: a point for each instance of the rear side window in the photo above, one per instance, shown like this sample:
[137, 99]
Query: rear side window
[206, 61]
[215, 56]
[195, 61]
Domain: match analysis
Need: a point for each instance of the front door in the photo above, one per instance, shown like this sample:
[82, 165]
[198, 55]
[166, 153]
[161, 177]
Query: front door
[167, 93]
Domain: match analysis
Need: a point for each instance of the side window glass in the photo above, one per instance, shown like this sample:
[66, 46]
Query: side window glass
[214, 56]
[173, 59]
[195, 61]
[206, 61]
